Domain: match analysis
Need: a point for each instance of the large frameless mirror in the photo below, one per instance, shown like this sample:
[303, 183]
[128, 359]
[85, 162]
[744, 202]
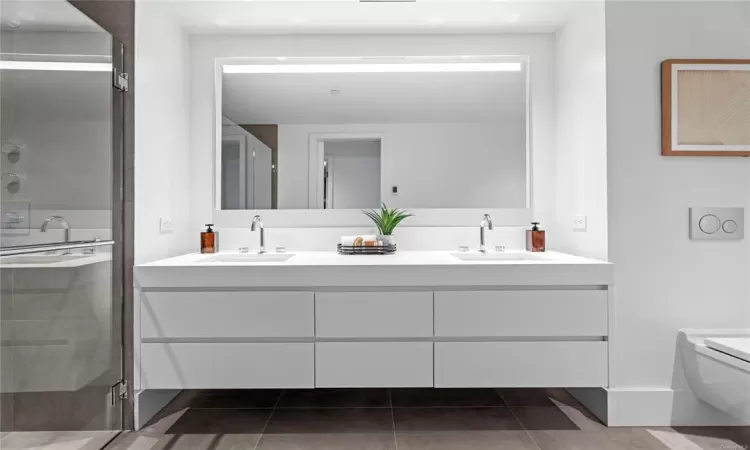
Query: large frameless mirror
[352, 133]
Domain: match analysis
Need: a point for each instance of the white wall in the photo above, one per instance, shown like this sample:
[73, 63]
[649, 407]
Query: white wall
[355, 169]
[204, 49]
[664, 281]
[446, 165]
[581, 113]
[162, 172]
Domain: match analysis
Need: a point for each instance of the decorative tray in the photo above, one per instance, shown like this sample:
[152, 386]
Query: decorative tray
[364, 250]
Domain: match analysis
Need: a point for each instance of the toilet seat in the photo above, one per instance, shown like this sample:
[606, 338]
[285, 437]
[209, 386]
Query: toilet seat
[737, 347]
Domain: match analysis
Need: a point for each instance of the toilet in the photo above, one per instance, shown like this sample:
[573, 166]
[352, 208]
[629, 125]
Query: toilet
[717, 368]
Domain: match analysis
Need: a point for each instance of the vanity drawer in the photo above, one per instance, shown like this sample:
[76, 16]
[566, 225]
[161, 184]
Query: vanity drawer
[373, 364]
[227, 314]
[521, 364]
[373, 314]
[226, 366]
[520, 313]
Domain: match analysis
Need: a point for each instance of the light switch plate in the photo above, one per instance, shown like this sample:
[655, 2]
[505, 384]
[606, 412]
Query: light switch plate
[717, 224]
[165, 226]
[580, 223]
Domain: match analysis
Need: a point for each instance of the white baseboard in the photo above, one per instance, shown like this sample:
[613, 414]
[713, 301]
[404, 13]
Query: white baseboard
[651, 407]
[150, 402]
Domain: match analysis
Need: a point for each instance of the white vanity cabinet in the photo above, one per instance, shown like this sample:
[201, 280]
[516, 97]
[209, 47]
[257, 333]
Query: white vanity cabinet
[202, 340]
[521, 338]
[373, 339]
[384, 337]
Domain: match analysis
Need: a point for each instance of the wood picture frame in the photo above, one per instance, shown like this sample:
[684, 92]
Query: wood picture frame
[712, 97]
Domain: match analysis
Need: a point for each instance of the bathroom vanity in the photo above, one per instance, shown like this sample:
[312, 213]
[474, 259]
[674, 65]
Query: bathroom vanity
[413, 319]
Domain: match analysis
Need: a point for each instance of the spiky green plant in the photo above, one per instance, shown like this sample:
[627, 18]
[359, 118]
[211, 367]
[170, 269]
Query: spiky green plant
[387, 219]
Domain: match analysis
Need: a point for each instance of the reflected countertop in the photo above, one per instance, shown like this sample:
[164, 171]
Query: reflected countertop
[42, 261]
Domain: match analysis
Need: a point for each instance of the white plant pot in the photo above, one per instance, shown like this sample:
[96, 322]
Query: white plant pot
[387, 240]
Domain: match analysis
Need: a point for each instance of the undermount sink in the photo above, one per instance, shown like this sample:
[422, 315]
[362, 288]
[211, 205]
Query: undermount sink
[248, 257]
[40, 259]
[476, 256]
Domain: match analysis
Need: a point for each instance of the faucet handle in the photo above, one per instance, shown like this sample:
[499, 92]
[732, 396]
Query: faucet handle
[244, 250]
[500, 248]
[463, 248]
[280, 249]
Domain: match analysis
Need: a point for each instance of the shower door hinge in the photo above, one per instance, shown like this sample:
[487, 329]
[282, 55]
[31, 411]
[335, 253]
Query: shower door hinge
[120, 80]
[119, 392]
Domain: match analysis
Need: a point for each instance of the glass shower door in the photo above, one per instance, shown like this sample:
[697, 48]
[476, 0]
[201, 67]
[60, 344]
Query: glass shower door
[60, 228]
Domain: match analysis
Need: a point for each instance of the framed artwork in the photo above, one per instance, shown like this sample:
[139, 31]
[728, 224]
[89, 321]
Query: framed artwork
[705, 107]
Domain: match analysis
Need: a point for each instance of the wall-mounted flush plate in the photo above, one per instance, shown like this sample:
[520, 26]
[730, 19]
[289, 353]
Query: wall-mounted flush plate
[717, 224]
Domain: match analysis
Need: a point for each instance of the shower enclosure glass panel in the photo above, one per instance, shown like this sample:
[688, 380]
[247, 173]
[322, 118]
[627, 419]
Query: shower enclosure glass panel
[60, 228]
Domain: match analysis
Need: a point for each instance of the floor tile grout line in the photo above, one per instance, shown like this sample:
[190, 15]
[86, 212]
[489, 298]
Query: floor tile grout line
[515, 416]
[393, 418]
[263, 431]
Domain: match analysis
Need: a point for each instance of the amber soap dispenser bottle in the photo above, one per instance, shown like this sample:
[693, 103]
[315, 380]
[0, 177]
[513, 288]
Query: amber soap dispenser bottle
[535, 238]
[208, 240]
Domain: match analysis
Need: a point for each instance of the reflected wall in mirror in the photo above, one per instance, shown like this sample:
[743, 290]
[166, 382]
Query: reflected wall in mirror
[350, 133]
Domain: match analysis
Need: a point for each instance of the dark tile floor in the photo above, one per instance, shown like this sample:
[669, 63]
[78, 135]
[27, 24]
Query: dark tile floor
[403, 419]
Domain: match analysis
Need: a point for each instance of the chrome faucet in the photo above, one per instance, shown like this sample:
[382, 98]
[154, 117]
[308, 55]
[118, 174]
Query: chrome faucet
[60, 219]
[258, 224]
[486, 222]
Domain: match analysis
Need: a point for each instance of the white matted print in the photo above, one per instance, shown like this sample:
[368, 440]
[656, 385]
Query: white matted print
[706, 108]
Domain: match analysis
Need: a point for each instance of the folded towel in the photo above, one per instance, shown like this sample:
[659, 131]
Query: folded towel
[357, 240]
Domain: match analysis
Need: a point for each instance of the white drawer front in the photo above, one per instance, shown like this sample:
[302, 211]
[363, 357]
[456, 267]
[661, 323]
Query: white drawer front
[373, 314]
[227, 314]
[373, 364]
[224, 366]
[521, 364]
[520, 313]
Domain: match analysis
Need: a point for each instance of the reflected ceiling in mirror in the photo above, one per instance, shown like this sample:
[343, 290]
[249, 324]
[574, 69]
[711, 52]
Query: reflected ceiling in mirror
[350, 133]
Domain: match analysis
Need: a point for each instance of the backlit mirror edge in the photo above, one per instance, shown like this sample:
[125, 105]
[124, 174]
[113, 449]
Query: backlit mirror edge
[311, 218]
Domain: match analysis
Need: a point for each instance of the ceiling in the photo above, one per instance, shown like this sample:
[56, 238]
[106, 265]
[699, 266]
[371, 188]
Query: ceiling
[43, 15]
[374, 97]
[352, 16]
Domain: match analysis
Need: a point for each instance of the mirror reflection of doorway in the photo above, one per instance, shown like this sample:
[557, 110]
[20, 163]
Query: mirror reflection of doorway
[351, 174]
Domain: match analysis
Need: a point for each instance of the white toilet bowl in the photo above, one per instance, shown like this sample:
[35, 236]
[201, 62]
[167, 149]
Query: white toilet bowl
[717, 368]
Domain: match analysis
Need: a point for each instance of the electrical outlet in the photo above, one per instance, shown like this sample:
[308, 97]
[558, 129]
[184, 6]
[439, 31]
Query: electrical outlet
[580, 223]
[165, 226]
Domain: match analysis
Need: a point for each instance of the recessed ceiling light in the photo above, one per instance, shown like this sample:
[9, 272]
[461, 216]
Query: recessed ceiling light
[373, 68]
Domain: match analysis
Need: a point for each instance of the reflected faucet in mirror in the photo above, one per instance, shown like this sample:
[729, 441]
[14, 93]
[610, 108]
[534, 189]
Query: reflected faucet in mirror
[258, 225]
[486, 222]
[63, 222]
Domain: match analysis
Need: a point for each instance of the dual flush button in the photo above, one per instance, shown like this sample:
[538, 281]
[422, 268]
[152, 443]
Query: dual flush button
[716, 223]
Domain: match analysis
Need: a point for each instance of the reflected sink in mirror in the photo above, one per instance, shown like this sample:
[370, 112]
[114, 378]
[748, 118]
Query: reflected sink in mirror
[476, 256]
[248, 258]
[40, 259]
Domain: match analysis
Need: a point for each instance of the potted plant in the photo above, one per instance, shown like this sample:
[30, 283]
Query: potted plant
[386, 220]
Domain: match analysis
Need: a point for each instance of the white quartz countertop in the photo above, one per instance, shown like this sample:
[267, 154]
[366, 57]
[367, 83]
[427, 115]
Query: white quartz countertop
[405, 268]
[403, 258]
